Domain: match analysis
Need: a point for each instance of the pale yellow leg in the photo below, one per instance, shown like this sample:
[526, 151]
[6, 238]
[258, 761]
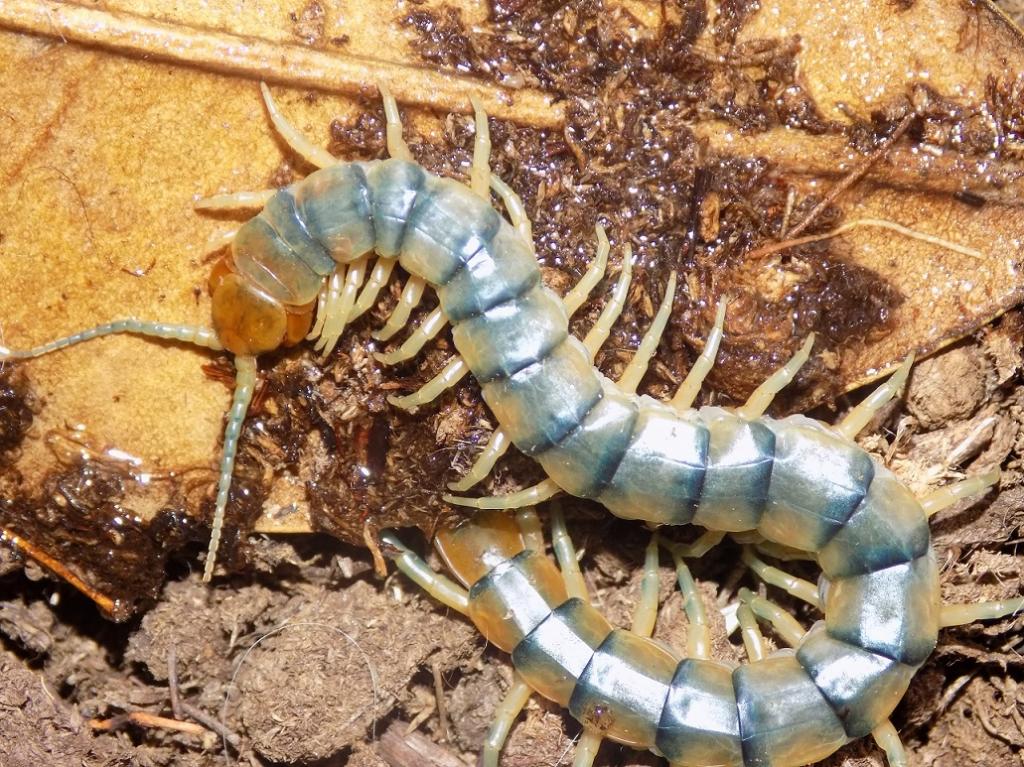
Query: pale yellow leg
[504, 717]
[531, 496]
[495, 449]
[236, 201]
[773, 576]
[586, 748]
[765, 393]
[707, 541]
[859, 417]
[944, 497]
[411, 295]
[378, 279]
[480, 175]
[530, 528]
[565, 553]
[581, 291]
[690, 387]
[338, 312]
[785, 625]
[328, 296]
[637, 366]
[515, 209]
[451, 374]
[397, 147]
[753, 640]
[302, 146]
[961, 614]
[428, 329]
[598, 334]
[888, 740]
[441, 588]
[646, 612]
[698, 633]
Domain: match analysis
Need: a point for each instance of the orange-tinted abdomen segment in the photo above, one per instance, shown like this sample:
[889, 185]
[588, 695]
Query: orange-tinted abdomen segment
[248, 321]
[472, 549]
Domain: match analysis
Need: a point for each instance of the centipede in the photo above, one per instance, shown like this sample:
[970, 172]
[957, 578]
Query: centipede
[304, 267]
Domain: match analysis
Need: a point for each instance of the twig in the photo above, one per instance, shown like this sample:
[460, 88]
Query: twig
[442, 710]
[211, 723]
[855, 175]
[172, 681]
[275, 62]
[414, 750]
[145, 719]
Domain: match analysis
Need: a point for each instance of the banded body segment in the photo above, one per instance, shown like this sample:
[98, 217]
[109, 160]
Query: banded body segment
[337, 206]
[700, 723]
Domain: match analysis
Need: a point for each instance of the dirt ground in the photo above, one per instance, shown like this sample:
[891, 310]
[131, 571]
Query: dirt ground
[302, 653]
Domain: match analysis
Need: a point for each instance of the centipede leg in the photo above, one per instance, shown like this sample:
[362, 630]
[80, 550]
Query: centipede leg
[586, 748]
[753, 640]
[785, 625]
[690, 386]
[299, 144]
[441, 588]
[859, 417]
[765, 393]
[480, 174]
[428, 329]
[328, 296]
[514, 207]
[698, 633]
[338, 311]
[565, 553]
[944, 497]
[397, 147]
[504, 717]
[245, 384]
[960, 614]
[773, 576]
[236, 201]
[888, 740]
[410, 299]
[646, 612]
[530, 527]
[531, 496]
[378, 279]
[637, 366]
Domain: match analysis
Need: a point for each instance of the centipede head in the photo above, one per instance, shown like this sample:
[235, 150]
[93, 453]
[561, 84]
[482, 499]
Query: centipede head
[249, 321]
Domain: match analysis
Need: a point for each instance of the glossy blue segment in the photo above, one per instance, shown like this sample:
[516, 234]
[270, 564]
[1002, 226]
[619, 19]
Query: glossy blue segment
[623, 689]
[888, 528]
[784, 719]
[555, 654]
[818, 479]
[739, 469]
[447, 226]
[502, 270]
[394, 187]
[661, 475]
[586, 459]
[336, 206]
[541, 404]
[863, 688]
[892, 612]
[265, 259]
[699, 724]
[281, 214]
[513, 335]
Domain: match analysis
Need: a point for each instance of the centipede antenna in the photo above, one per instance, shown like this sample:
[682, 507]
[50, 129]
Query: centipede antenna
[581, 291]
[433, 324]
[531, 496]
[861, 415]
[186, 334]
[698, 633]
[397, 147]
[773, 576]
[598, 334]
[451, 374]
[245, 384]
[586, 748]
[637, 366]
[785, 625]
[480, 174]
[505, 716]
[765, 393]
[960, 614]
[565, 553]
[299, 144]
[514, 207]
[646, 612]
[690, 387]
[945, 497]
[441, 588]
[888, 740]
[411, 295]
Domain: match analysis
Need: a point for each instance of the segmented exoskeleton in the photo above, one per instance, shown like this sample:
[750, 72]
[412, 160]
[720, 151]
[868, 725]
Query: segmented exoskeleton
[794, 481]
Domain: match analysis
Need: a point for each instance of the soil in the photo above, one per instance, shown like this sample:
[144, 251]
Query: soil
[304, 653]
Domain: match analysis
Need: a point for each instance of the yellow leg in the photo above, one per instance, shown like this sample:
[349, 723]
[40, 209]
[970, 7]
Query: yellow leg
[480, 175]
[378, 279]
[302, 146]
[785, 625]
[765, 393]
[565, 553]
[236, 201]
[637, 367]
[690, 387]
[441, 588]
[598, 334]
[337, 311]
[530, 527]
[944, 497]
[859, 417]
[698, 633]
[397, 147]
[960, 614]
[504, 717]
[531, 496]
[888, 740]
[515, 209]
[586, 749]
[773, 576]
[753, 641]
[428, 329]
[646, 612]
[411, 295]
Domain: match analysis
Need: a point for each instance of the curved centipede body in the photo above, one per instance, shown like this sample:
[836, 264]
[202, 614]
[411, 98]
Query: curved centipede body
[794, 481]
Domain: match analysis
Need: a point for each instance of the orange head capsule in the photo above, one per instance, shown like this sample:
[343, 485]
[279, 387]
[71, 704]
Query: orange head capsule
[247, 320]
